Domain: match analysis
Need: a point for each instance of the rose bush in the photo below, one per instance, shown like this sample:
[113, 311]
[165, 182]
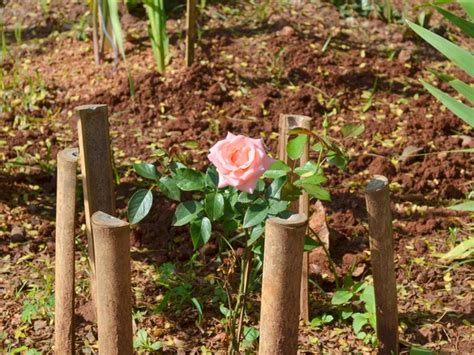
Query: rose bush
[231, 201]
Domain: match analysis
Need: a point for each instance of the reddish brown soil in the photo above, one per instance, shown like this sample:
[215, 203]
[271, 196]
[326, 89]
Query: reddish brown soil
[245, 76]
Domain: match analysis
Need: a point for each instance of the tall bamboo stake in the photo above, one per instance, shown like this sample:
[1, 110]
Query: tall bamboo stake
[286, 124]
[191, 30]
[114, 290]
[283, 259]
[64, 268]
[96, 169]
[377, 198]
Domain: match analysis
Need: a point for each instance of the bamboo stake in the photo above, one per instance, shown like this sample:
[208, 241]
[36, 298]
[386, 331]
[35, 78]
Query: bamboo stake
[64, 268]
[191, 31]
[96, 169]
[381, 248]
[279, 315]
[114, 290]
[286, 124]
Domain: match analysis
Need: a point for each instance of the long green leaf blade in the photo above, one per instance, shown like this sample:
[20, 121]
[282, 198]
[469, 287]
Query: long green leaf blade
[461, 57]
[464, 112]
[466, 26]
[464, 89]
[116, 27]
[468, 6]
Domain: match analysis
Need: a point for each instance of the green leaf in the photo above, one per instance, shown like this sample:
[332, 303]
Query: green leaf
[461, 251]
[312, 180]
[464, 89]
[214, 205]
[212, 178]
[468, 6]
[346, 313]
[461, 110]
[255, 214]
[416, 350]
[206, 230]
[186, 212]
[290, 192]
[358, 321]
[317, 191]
[368, 297]
[341, 296]
[310, 243]
[276, 170]
[466, 26]
[190, 180]
[245, 197]
[169, 188]
[464, 206]
[148, 171]
[175, 166]
[307, 170]
[139, 205]
[352, 130]
[116, 27]
[461, 57]
[198, 306]
[277, 206]
[295, 146]
[256, 233]
[274, 190]
[337, 159]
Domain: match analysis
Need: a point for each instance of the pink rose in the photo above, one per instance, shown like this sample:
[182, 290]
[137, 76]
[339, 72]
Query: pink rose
[240, 161]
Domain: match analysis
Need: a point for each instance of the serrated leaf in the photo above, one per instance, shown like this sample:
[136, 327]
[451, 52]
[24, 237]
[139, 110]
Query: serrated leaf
[276, 170]
[148, 171]
[256, 233]
[307, 170]
[212, 177]
[201, 231]
[274, 190]
[190, 180]
[169, 188]
[186, 212]
[214, 205]
[317, 191]
[139, 205]
[296, 146]
[255, 214]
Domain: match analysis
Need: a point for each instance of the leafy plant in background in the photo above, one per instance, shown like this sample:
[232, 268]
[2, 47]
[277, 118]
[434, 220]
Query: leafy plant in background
[155, 10]
[143, 344]
[357, 302]
[459, 56]
[235, 215]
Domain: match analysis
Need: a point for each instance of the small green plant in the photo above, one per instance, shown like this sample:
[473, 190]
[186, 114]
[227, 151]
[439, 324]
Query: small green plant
[155, 10]
[357, 302]
[143, 344]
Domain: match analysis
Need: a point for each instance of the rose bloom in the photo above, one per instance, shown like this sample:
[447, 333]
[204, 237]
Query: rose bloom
[240, 161]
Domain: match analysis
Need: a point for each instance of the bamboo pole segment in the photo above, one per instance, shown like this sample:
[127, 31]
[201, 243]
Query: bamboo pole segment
[114, 289]
[286, 124]
[96, 165]
[191, 30]
[64, 265]
[381, 248]
[283, 259]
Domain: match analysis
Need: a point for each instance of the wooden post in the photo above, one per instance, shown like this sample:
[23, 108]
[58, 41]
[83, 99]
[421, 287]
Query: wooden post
[381, 248]
[64, 268]
[283, 259]
[114, 289]
[96, 165]
[286, 124]
[190, 31]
